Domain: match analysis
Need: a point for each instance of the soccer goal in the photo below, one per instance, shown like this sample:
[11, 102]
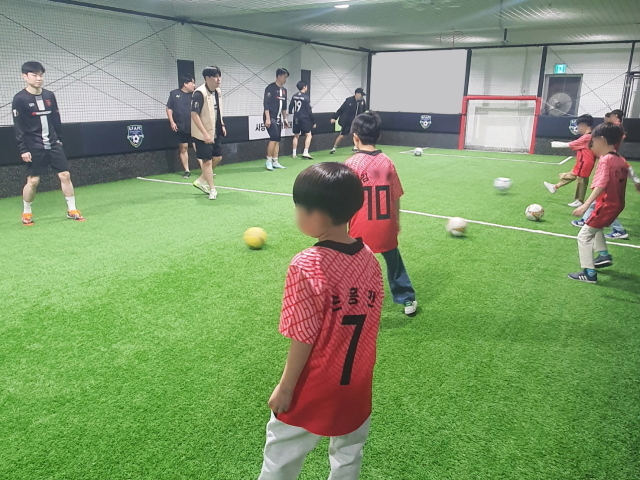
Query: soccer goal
[499, 123]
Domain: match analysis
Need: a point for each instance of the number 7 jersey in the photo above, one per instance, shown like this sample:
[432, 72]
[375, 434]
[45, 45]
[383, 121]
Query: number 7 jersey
[377, 221]
[332, 300]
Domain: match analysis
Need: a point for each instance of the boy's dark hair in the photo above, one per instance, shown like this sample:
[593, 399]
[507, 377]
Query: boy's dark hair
[611, 133]
[367, 127]
[586, 119]
[332, 188]
[211, 71]
[301, 84]
[186, 79]
[32, 67]
[607, 115]
[619, 113]
[282, 71]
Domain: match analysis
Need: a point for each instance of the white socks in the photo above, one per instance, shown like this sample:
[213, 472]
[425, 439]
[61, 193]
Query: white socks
[295, 151]
[71, 203]
[275, 159]
[306, 151]
[269, 159]
[27, 206]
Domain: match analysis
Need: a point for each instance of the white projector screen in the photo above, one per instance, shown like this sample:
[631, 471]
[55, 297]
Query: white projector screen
[418, 82]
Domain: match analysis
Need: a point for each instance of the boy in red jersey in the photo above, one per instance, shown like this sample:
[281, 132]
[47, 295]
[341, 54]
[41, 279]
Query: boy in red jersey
[378, 222]
[585, 160]
[608, 186]
[331, 312]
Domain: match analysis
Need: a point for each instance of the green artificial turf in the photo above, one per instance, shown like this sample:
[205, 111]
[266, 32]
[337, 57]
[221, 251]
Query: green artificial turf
[143, 343]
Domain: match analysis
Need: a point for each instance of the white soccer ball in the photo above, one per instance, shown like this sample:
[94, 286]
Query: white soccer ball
[534, 212]
[502, 184]
[417, 152]
[457, 226]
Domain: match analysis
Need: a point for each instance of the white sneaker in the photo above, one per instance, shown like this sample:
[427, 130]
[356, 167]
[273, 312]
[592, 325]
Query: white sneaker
[575, 204]
[294, 156]
[410, 307]
[270, 165]
[551, 187]
[213, 194]
[277, 165]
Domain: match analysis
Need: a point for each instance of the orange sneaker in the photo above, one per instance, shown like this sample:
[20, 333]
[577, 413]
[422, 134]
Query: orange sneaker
[75, 215]
[27, 219]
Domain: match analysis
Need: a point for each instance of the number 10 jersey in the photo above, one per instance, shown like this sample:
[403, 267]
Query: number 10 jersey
[332, 300]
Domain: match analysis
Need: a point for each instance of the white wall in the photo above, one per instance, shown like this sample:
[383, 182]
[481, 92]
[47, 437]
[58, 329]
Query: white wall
[109, 66]
[508, 71]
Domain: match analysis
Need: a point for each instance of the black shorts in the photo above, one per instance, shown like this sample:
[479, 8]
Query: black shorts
[346, 130]
[302, 126]
[275, 131]
[41, 160]
[207, 151]
[183, 137]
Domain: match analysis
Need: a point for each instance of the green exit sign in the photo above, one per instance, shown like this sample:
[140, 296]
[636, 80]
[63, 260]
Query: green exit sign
[560, 68]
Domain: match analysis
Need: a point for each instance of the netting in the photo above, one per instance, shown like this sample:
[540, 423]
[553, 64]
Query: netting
[499, 124]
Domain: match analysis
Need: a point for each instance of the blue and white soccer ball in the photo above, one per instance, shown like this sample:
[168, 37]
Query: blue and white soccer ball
[417, 152]
[502, 184]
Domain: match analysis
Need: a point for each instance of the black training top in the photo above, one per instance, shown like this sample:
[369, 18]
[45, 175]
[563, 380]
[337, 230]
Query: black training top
[275, 100]
[300, 106]
[180, 103]
[36, 120]
[349, 110]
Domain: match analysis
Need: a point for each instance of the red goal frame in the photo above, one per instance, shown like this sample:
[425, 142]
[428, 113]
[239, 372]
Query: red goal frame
[465, 105]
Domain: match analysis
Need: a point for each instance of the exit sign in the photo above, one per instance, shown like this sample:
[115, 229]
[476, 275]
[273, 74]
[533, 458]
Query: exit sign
[560, 68]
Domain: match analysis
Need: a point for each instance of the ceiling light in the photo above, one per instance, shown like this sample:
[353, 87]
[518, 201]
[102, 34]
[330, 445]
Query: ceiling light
[341, 5]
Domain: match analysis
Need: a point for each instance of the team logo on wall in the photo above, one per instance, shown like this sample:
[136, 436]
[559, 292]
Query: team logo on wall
[135, 135]
[573, 126]
[425, 121]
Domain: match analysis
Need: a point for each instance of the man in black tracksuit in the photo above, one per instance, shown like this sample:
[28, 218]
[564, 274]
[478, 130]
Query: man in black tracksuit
[350, 109]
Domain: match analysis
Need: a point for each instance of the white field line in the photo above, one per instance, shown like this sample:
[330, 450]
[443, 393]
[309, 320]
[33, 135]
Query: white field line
[411, 212]
[491, 158]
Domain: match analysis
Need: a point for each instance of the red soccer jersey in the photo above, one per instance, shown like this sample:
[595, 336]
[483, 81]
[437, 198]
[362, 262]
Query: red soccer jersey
[332, 300]
[611, 175]
[377, 221]
[585, 158]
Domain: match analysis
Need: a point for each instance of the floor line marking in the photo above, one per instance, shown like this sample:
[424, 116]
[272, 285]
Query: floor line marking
[492, 158]
[410, 212]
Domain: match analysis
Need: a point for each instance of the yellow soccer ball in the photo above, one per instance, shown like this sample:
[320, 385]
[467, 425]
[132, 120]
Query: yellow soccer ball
[255, 238]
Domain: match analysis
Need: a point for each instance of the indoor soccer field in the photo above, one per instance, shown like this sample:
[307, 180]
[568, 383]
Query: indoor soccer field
[143, 343]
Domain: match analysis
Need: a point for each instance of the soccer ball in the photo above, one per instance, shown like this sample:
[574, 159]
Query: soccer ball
[417, 152]
[457, 226]
[502, 184]
[255, 238]
[534, 212]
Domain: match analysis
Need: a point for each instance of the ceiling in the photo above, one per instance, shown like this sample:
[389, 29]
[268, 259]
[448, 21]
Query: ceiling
[408, 24]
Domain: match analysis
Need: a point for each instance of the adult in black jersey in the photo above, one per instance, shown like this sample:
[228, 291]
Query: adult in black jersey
[350, 109]
[303, 121]
[179, 115]
[275, 116]
[37, 125]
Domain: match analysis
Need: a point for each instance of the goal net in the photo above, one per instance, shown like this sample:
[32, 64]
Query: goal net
[501, 124]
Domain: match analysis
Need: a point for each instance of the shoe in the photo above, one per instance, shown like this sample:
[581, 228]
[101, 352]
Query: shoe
[277, 165]
[202, 187]
[551, 187]
[295, 156]
[410, 307]
[186, 174]
[27, 219]
[584, 277]
[617, 235]
[575, 204]
[307, 157]
[270, 165]
[75, 215]
[213, 195]
[578, 223]
[354, 149]
[603, 261]
[333, 150]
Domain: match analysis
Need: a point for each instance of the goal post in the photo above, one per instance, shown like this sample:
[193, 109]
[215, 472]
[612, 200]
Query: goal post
[499, 123]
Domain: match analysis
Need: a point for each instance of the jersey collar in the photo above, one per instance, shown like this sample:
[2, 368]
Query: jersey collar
[373, 154]
[346, 248]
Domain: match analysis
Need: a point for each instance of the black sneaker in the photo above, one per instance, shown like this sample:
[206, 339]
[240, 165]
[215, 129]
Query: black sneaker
[354, 149]
[584, 277]
[602, 261]
[333, 150]
[186, 175]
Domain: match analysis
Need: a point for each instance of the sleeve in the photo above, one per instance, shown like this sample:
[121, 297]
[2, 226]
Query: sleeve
[197, 102]
[55, 118]
[291, 106]
[340, 110]
[302, 307]
[18, 125]
[395, 184]
[601, 178]
[581, 143]
[170, 102]
[268, 98]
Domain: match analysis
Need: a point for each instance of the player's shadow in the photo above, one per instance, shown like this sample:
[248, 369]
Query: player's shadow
[622, 281]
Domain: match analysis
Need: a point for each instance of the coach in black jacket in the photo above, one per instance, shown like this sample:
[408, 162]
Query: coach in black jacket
[350, 109]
